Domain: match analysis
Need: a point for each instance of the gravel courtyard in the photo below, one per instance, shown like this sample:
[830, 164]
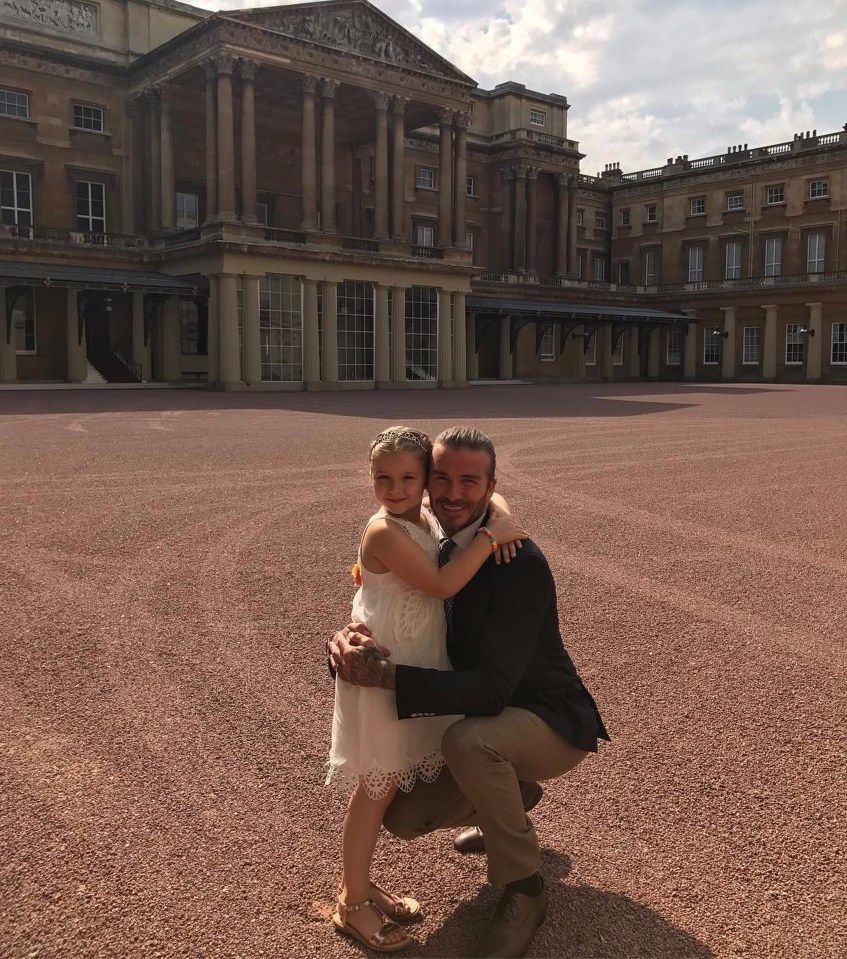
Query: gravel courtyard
[171, 563]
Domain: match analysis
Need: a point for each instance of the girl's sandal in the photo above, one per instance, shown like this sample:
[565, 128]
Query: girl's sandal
[404, 908]
[376, 942]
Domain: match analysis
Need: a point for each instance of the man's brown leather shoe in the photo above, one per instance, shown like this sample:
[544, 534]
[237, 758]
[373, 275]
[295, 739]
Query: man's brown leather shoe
[472, 840]
[510, 932]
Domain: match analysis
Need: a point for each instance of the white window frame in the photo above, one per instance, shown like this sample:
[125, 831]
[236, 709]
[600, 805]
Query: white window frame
[537, 118]
[470, 186]
[651, 213]
[815, 253]
[794, 345]
[731, 199]
[751, 349]
[424, 235]
[591, 352]
[696, 263]
[469, 240]
[96, 224]
[651, 265]
[711, 347]
[25, 323]
[732, 270]
[775, 195]
[89, 117]
[673, 348]
[547, 345]
[617, 350]
[14, 215]
[579, 266]
[626, 217]
[697, 206]
[14, 104]
[184, 219]
[598, 269]
[424, 178]
[580, 217]
[773, 256]
[624, 267]
[263, 213]
[601, 221]
[838, 339]
[818, 189]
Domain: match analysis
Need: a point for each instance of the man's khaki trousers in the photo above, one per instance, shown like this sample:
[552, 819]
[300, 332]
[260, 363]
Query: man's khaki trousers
[487, 757]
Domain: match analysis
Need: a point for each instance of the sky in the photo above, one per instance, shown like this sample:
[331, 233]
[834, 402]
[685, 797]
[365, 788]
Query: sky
[648, 79]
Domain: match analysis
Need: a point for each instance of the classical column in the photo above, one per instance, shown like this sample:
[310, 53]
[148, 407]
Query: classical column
[572, 225]
[814, 344]
[531, 219]
[445, 177]
[462, 121]
[769, 345]
[171, 345]
[580, 359]
[382, 353]
[728, 355]
[398, 167]
[229, 354]
[248, 69]
[250, 327]
[654, 354]
[561, 258]
[460, 341]
[329, 341]
[140, 349]
[328, 91]
[398, 334]
[155, 135]
[211, 72]
[634, 352]
[507, 233]
[212, 311]
[380, 102]
[226, 148]
[605, 345]
[505, 369]
[445, 338]
[689, 359]
[471, 349]
[520, 219]
[308, 158]
[75, 334]
[8, 353]
[311, 336]
[134, 146]
[167, 180]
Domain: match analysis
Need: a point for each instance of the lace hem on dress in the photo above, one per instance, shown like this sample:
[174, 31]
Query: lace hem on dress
[378, 781]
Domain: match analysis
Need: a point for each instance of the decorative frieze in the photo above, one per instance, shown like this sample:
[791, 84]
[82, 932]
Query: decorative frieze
[67, 16]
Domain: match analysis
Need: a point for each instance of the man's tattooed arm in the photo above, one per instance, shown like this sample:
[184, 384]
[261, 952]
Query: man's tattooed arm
[365, 667]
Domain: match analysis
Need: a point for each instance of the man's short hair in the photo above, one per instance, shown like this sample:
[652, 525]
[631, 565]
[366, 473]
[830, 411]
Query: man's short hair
[469, 438]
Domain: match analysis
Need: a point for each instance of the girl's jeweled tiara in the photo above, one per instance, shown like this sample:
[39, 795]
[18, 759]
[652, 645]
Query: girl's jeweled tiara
[401, 435]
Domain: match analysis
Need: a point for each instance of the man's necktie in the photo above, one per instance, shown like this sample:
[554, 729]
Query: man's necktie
[445, 548]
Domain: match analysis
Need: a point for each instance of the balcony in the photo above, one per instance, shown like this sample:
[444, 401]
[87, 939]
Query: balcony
[49, 234]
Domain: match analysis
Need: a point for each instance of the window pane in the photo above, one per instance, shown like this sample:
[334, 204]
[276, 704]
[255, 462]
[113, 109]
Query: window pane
[281, 328]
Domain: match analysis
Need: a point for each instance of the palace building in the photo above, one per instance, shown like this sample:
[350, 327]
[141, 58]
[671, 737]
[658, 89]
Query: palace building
[308, 197]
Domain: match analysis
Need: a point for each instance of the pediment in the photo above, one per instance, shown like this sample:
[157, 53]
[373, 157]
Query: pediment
[354, 26]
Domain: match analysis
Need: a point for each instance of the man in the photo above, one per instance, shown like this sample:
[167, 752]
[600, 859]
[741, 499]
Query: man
[528, 716]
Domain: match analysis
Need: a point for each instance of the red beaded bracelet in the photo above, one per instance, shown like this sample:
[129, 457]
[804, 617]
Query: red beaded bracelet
[487, 532]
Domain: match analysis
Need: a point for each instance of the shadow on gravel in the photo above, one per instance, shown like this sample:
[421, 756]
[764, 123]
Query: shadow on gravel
[582, 923]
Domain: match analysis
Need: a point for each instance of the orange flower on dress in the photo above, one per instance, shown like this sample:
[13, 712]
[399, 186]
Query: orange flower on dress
[356, 573]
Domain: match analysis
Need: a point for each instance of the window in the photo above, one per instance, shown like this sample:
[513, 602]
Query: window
[733, 260]
[23, 322]
[751, 353]
[424, 235]
[598, 268]
[839, 342]
[651, 263]
[711, 347]
[263, 214]
[623, 272]
[187, 211]
[421, 333]
[88, 118]
[470, 186]
[617, 349]
[815, 253]
[695, 264]
[773, 256]
[775, 195]
[193, 331]
[651, 214]
[591, 348]
[818, 189]
[14, 104]
[537, 118]
[735, 201]
[469, 241]
[697, 206]
[424, 178]
[601, 221]
[626, 217]
[579, 266]
[281, 329]
[673, 351]
[793, 345]
[90, 207]
[547, 345]
[15, 198]
[580, 217]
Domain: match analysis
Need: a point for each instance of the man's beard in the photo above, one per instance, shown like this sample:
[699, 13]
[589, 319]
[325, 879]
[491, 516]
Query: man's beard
[450, 524]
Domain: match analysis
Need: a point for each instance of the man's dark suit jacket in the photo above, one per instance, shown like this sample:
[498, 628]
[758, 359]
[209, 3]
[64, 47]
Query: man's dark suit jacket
[506, 650]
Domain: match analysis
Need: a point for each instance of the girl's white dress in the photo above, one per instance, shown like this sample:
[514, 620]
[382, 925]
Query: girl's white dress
[369, 742]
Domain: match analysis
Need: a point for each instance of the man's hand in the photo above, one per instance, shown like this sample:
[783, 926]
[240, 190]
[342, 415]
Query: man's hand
[359, 659]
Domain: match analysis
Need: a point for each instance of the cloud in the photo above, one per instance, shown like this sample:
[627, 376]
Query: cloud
[648, 79]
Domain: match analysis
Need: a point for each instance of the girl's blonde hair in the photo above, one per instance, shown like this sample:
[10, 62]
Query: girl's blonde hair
[403, 439]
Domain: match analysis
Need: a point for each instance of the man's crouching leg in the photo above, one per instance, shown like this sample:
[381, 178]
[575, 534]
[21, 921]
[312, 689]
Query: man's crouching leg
[428, 806]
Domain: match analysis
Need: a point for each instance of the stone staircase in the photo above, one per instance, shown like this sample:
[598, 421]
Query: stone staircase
[93, 376]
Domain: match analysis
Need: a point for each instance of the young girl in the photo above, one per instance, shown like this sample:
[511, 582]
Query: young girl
[400, 600]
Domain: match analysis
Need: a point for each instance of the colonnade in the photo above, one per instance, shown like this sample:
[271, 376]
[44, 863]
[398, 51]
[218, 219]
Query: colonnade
[521, 205]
